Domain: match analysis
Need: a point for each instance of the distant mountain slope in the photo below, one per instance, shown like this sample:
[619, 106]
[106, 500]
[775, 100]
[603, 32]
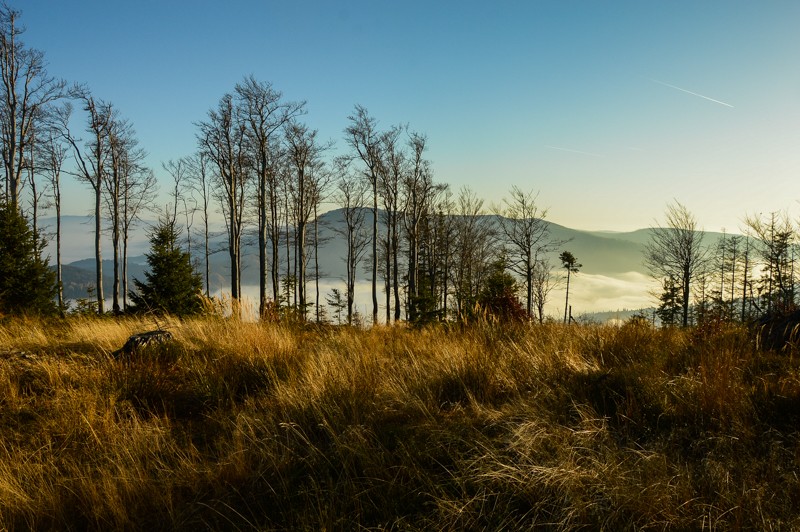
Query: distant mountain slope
[80, 275]
[77, 238]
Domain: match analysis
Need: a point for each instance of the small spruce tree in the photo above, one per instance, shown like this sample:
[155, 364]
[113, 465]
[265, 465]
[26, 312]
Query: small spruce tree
[671, 302]
[27, 284]
[171, 285]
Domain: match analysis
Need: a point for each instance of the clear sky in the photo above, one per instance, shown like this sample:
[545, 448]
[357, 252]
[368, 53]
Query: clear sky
[609, 109]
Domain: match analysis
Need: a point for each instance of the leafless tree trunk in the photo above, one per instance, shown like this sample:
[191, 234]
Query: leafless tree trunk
[124, 158]
[677, 250]
[53, 153]
[543, 283]
[37, 195]
[316, 261]
[322, 180]
[309, 180]
[26, 89]
[138, 193]
[291, 289]
[113, 188]
[392, 174]
[419, 192]
[265, 114]
[201, 183]
[363, 138]
[475, 248]
[526, 233]
[351, 195]
[222, 140]
[91, 168]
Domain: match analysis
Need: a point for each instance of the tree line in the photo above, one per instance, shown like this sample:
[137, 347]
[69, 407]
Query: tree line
[429, 252]
[740, 277]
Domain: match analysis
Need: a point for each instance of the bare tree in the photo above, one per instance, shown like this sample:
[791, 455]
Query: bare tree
[53, 154]
[445, 234]
[91, 160]
[527, 236]
[308, 181]
[182, 195]
[543, 282]
[419, 192]
[351, 194]
[178, 170]
[392, 172]
[676, 250]
[318, 241]
[200, 182]
[364, 139]
[139, 187]
[26, 89]
[774, 238]
[37, 195]
[125, 159]
[264, 114]
[222, 139]
[474, 245]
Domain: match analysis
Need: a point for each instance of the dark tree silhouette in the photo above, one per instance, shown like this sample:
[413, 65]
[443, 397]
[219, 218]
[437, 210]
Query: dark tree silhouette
[498, 297]
[570, 263]
[27, 284]
[677, 250]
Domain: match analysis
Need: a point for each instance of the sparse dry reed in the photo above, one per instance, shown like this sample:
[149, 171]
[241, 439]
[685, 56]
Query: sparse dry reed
[245, 426]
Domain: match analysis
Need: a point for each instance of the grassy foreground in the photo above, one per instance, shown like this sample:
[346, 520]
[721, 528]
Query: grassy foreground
[243, 426]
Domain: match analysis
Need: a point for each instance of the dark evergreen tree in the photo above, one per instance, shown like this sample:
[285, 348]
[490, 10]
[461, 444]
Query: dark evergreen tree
[671, 302]
[498, 297]
[27, 284]
[172, 286]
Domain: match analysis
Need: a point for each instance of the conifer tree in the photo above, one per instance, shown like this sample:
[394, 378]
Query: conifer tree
[498, 297]
[27, 284]
[570, 263]
[171, 285]
[671, 302]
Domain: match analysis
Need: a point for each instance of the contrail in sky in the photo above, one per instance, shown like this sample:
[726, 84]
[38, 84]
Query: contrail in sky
[574, 151]
[690, 92]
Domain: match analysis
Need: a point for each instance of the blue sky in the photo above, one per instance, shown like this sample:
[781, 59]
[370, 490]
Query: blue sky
[585, 102]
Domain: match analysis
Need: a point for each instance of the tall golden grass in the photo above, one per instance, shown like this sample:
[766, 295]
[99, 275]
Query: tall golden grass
[247, 426]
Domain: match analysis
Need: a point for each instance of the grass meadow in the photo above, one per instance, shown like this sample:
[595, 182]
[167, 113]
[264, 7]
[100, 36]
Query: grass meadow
[244, 426]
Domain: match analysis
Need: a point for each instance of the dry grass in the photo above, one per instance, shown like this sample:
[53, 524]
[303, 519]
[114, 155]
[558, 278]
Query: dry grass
[243, 426]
